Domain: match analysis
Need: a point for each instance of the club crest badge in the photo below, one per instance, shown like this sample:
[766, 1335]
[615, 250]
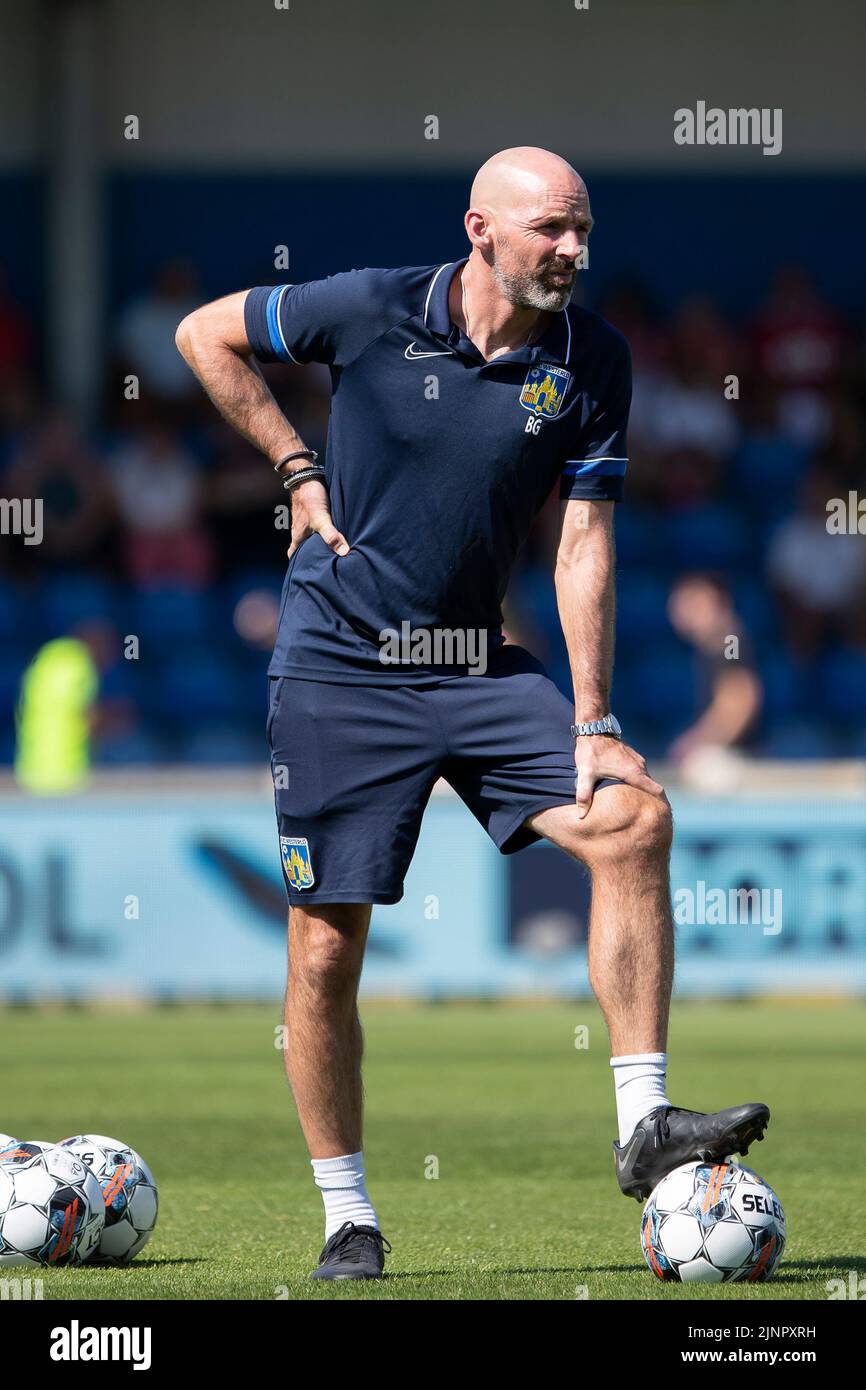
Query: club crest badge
[297, 862]
[544, 390]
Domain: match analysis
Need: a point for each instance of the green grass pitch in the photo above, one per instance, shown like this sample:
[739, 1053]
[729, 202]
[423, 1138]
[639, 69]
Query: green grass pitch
[518, 1119]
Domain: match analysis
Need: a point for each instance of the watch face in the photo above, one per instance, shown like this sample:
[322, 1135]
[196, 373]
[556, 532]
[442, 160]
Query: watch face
[615, 725]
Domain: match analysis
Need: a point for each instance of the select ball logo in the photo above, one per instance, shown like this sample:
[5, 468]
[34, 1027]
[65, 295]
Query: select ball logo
[769, 1206]
[713, 1223]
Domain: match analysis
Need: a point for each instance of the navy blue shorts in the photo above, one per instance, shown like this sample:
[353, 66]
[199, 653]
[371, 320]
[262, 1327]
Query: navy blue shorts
[354, 766]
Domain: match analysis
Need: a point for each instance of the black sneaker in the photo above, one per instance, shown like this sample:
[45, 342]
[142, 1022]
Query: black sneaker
[669, 1136]
[353, 1252]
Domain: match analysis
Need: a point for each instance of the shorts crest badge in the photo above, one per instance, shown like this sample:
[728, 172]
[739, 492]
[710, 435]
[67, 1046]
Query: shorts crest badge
[544, 389]
[297, 862]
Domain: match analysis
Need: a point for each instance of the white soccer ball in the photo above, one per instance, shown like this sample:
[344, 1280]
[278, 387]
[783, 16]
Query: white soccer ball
[51, 1207]
[17, 1153]
[713, 1223]
[129, 1190]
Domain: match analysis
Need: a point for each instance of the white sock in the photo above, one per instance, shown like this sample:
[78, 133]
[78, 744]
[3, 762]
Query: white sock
[640, 1088]
[344, 1192]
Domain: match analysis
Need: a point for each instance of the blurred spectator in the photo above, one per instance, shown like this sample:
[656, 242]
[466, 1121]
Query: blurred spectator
[17, 387]
[60, 467]
[845, 450]
[683, 428]
[798, 339]
[19, 408]
[242, 494]
[798, 343]
[16, 336]
[145, 335]
[693, 416]
[709, 480]
[704, 346]
[819, 576]
[768, 464]
[702, 613]
[629, 306]
[257, 617]
[158, 491]
[59, 713]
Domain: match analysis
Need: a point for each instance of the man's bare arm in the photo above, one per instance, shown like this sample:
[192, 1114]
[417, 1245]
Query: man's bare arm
[585, 595]
[213, 340]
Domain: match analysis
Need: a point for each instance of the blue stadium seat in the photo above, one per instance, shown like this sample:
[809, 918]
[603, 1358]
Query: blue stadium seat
[786, 685]
[7, 744]
[225, 744]
[641, 607]
[756, 607]
[852, 741]
[196, 686]
[713, 537]
[799, 738]
[138, 746]
[843, 682]
[69, 599]
[239, 584]
[767, 468]
[173, 616]
[12, 668]
[667, 685]
[16, 612]
[638, 537]
[535, 597]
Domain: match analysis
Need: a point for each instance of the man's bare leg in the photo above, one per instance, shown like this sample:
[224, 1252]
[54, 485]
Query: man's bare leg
[324, 1042]
[625, 842]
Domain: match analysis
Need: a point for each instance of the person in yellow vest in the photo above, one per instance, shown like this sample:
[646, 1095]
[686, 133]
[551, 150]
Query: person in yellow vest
[56, 710]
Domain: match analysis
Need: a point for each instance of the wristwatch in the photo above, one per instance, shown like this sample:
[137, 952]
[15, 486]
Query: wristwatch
[610, 725]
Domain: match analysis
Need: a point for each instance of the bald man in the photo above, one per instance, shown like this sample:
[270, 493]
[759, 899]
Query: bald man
[463, 393]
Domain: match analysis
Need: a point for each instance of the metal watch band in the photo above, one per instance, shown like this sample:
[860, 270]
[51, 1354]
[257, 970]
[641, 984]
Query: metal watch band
[609, 726]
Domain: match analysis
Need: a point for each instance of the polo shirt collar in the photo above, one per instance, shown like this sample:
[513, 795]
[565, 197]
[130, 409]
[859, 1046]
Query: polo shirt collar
[553, 345]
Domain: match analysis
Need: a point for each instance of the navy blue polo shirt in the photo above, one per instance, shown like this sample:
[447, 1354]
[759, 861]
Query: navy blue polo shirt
[437, 463]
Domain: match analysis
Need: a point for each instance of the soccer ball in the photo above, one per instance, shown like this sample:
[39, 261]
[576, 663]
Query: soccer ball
[129, 1190]
[713, 1223]
[18, 1153]
[51, 1207]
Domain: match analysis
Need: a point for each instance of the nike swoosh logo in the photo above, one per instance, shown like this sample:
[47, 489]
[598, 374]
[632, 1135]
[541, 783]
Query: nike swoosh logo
[413, 355]
[623, 1159]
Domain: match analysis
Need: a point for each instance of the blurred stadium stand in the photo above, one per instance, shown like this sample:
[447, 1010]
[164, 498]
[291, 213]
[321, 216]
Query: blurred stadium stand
[159, 521]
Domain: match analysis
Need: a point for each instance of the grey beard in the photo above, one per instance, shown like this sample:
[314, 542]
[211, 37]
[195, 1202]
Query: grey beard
[524, 292]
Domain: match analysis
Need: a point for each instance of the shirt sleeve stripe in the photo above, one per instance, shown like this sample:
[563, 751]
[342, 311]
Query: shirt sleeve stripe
[275, 330]
[584, 468]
